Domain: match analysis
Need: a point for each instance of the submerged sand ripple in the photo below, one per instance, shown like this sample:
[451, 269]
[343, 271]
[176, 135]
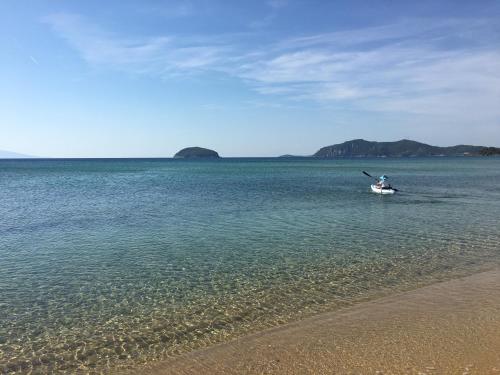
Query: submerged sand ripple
[447, 328]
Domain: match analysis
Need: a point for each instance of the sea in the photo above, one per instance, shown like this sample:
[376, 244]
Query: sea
[112, 264]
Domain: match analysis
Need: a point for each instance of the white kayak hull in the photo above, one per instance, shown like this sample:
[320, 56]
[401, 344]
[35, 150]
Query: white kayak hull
[378, 190]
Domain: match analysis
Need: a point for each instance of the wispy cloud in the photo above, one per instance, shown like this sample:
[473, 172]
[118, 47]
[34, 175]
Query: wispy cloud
[413, 66]
[266, 21]
[159, 55]
[263, 22]
[170, 9]
[276, 4]
[33, 60]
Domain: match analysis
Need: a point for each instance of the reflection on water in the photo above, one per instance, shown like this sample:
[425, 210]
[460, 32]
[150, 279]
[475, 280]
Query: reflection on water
[107, 264]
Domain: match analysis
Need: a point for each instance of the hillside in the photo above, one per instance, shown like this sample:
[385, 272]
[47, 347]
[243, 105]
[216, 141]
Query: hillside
[195, 153]
[402, 148]
[490, 151]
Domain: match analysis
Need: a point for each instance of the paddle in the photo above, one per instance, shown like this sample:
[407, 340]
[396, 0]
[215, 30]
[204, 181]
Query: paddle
[369, 175]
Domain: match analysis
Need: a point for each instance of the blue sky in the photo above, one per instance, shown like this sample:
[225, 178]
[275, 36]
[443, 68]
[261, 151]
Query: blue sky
[247, 78]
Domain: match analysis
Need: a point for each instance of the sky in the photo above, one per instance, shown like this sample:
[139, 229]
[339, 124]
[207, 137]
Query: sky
[246, 78]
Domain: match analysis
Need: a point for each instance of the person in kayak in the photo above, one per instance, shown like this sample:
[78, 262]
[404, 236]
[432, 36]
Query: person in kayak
[381, 182]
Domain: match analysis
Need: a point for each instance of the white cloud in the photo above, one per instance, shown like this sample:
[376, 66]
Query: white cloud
[401, 68]
[407, 66]
[160, 55]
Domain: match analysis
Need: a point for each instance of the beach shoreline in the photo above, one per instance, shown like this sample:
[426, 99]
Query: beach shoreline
[449, 327]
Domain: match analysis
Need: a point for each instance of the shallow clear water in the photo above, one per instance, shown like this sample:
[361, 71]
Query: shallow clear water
[106, 264]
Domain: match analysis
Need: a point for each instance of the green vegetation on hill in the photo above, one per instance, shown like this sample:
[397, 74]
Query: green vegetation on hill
[196, 152]
[404, 147]
[490, 151]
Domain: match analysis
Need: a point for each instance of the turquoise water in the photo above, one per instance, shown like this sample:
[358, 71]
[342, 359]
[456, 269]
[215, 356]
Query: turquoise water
[108, 264]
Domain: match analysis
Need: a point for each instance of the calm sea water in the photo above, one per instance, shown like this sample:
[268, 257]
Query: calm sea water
[107, 264]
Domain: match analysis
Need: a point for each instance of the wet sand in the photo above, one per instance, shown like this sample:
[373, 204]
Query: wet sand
[447, 328]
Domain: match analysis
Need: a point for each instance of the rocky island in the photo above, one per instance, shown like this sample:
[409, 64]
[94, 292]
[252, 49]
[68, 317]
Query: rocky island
[196, 153]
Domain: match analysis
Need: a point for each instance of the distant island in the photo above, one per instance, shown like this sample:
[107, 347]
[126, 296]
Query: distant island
[196, 153]
[13, 155]
[402, 148]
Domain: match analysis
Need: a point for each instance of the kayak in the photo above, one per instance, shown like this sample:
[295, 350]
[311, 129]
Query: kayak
[386, 190]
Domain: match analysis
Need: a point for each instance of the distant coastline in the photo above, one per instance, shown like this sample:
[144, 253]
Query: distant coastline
[356, 148]
[14, 155]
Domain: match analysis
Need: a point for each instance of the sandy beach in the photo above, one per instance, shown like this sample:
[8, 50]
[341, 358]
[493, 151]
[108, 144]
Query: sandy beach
[451, 327]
